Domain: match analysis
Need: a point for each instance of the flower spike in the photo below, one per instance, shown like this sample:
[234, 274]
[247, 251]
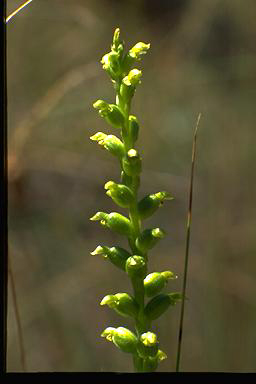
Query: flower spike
[142, 344]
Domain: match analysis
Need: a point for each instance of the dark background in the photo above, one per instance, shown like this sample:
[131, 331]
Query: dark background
[202, 59]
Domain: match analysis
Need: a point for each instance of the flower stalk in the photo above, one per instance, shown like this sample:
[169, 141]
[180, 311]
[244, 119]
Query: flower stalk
[143, 343]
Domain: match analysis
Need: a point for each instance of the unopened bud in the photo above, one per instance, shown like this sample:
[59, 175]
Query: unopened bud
[132, 163]
[110, 112]
[156, 281]
[116, 41]
[160, 303]
[135, 53]
[122, 303]
[138, 50]
[115, 221]
[148, 239]
[110, 142]
[148, 345]
[120, 193]
[133, 128]
[122, 337]
[129, 84]
[136, 267]
[108, 333]
[116, 255]
[110, 62]
[133, 77]
[149, 204]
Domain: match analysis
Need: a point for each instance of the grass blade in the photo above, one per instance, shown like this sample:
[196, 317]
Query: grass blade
[17, 317]
[187, 244]
[17, 10]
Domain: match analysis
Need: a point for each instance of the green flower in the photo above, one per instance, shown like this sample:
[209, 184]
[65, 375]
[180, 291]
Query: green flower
[139, 50]
[122, 337]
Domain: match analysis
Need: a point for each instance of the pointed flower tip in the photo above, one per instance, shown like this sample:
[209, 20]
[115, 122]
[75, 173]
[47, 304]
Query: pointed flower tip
[116, 33]
[133, 77]
[167, 196]
[108, 333]
[106, 300]
[100, 104]
[159, 233]
[138, 50]
[161, 355]
[97, 216]
[97, 251]
[109, 184]
[169, 275]
[98, 136]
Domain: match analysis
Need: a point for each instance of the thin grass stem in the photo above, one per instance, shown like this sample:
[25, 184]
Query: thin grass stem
[189, 216]
[17, 10]
[17, 317]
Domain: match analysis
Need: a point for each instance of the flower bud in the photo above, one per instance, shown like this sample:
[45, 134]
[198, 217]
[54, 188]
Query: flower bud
[110, 112]
[121, 194]
[135, 53]
[129, 84]
[156, 281]
[161, 355]
[150, 363]
[114, 221]
[148, 239]
[110, 62]
[116, 255]
[122, 303]
[133, 78]
[116, 40]
[99, 216]
[108, 333]
[148, 345]
[136, 267]
[122, 337]
[133, 128]
[139, 50]
[132, 163]
[110, 142]
[160, 303]
[149, 204]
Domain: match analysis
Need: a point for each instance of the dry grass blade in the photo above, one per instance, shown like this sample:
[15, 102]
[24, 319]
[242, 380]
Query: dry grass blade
[17, 317]
[17, 10]
[187, 244]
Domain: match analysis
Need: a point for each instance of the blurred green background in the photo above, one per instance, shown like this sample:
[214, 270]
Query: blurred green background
[202, 59]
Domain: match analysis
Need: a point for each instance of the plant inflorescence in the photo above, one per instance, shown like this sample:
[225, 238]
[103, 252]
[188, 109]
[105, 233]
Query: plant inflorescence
[148, 302]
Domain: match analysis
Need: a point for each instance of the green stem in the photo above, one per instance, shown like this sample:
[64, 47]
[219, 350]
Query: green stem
[142, 325]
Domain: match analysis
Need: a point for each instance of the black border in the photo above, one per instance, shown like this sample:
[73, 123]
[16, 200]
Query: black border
[204, 376]
[4, 192]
